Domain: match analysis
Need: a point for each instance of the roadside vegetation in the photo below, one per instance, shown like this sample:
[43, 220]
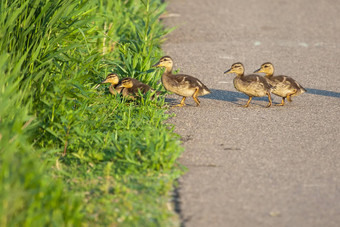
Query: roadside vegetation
[72, 155]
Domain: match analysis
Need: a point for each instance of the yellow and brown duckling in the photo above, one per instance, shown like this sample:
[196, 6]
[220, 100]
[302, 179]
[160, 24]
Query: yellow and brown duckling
[113, 79]
[283, 86]
[180, 84]
[251, 85]
[132, 87]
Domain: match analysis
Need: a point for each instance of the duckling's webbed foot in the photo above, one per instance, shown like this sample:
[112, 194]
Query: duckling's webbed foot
[181, 104]
[195, 97]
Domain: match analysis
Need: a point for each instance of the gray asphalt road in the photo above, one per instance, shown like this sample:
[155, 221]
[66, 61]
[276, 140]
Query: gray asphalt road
[259, 167]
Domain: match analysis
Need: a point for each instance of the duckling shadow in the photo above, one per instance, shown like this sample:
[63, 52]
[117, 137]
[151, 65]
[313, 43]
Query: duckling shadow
[229, 96]
[323, 92]
[172, 101]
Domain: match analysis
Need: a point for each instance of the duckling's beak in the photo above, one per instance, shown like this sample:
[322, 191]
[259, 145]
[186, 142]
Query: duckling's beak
[103, 82]
[156, 65]
[228, 71]
[257, 70]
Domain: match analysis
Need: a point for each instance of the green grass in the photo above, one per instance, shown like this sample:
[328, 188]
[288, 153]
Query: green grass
[120, 157]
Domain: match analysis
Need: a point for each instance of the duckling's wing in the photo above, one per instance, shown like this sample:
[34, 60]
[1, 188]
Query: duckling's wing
[253, 85]
[141, 87]
[256, 79]
[288, 83]
[283, 80]
[182, 80]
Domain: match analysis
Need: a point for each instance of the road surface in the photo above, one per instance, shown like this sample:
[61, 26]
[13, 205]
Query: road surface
[256, 166]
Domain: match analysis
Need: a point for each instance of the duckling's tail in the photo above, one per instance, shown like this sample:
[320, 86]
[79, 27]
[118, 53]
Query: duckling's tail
[300, 90]
[303, 90]
[204, 91]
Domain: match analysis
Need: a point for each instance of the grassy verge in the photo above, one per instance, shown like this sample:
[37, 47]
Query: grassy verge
[120, 162]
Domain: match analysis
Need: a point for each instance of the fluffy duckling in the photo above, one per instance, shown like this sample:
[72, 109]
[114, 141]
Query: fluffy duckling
[252, 85]
[180, 84]
[132, 87]
[284, 86]
[113, 79]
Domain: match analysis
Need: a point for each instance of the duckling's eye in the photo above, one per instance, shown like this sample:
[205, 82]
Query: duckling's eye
[266, 66]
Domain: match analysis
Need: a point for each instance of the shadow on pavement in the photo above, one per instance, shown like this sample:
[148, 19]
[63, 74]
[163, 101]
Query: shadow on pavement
[229, 96]
[323, 92]
[240, 98]
[235, 97]
[172, 101]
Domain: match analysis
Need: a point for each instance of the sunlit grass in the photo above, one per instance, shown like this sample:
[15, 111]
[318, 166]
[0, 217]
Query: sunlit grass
[71, 154]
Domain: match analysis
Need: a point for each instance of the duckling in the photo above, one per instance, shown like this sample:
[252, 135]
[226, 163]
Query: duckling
[180, 84]
[113, 79]
[132, 87]
[284, 86]
[252, 85]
